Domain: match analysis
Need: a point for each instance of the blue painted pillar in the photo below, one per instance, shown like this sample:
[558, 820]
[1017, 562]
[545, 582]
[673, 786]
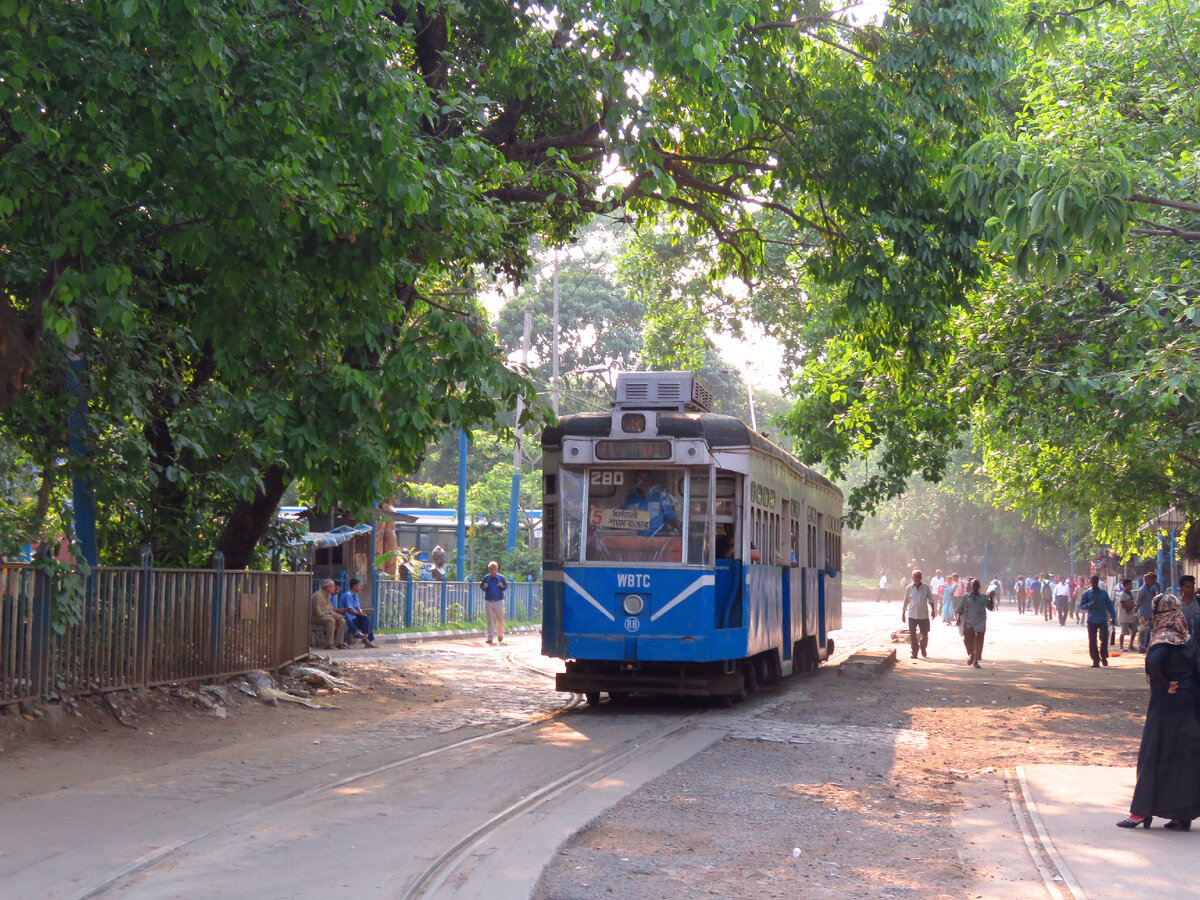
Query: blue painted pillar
[1173, 587]
[83, 497]
[1162, 561]
[459, 569]
[217, 619]
[513, 501]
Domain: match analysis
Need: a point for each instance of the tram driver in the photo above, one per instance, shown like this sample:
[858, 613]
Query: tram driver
[650, 496]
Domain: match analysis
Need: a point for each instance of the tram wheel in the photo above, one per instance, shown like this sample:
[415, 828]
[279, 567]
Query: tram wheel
[762, 669]
[807, 654]
[592, 698]
[749, 676]
[738, 694]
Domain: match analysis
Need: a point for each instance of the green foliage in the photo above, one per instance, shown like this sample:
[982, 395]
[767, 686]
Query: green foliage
[67, 589]
[600, 324]
[32, 498]
[949, 524]
[236, 169]
[262, 226]
[1072, 364]
[523, 563]
[282, 540]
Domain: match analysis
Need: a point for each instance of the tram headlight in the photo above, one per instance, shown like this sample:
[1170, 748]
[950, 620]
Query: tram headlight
[633, 605]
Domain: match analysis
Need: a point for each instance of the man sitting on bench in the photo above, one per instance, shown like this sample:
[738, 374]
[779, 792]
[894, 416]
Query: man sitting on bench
[358, 623]
[321, 613]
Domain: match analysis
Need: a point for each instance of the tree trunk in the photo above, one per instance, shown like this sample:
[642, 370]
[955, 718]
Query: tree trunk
[250, 519]
[19, 339]
[167, 510]
[20, 336]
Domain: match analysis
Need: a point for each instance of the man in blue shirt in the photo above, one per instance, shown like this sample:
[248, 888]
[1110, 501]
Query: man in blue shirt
[1145, 609]
[649, 496]
[1035, 595]
[494, 585]
[1100, 611]
[358, 623]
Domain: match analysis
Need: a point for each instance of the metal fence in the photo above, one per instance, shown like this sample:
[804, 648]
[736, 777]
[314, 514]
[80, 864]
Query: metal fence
[142, 626]
[438, 604]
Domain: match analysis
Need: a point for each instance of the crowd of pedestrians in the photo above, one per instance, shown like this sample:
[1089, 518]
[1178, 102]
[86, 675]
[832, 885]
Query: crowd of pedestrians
[1111, 619]
[1161, 625]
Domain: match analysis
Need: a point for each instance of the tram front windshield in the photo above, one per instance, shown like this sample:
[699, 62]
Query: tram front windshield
[637, 515]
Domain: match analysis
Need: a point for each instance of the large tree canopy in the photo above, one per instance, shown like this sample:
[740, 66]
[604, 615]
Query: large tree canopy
[1075, 365]
[258, 223]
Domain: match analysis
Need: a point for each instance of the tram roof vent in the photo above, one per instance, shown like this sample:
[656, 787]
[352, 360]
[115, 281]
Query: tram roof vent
[663, 390]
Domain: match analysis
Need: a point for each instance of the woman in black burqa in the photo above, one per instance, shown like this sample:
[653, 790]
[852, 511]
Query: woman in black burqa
[1168, 766]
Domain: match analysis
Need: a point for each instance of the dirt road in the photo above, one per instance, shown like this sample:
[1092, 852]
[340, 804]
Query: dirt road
[895, 786]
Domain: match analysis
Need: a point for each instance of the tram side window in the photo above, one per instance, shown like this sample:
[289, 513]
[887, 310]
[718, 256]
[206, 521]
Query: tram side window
[725, 513]
[756, 540]
[700, 548]
[634, 515]
[573, 484]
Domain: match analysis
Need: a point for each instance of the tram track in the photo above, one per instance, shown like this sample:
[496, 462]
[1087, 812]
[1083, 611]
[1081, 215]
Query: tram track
[119, 877]
[123, 876]
[445, 866]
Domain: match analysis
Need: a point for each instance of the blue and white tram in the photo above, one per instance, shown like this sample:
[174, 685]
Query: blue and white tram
[683, 552]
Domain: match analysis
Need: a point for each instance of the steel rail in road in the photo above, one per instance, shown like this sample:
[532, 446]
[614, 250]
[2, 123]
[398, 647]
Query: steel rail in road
[446, 865]
[118, 877]
[121, 876]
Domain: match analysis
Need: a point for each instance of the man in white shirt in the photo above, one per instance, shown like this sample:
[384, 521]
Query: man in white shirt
[1062, 598]
[917, 598]
[936, 583]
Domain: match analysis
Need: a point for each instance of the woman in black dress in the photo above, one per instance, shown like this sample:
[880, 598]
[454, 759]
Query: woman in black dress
[1168, 766]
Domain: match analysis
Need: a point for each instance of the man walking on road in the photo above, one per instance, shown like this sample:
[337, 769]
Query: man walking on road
[1145, 609]
[1062, 599]
[494, 585]
[936, 583]
[917, 597]
[1100, 611]
[1187, 603]
[1034, 588]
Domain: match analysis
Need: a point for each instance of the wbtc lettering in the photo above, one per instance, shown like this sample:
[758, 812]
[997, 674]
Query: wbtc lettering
[633, 580]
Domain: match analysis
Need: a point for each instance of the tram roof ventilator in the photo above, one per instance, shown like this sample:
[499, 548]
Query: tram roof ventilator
[681, 391]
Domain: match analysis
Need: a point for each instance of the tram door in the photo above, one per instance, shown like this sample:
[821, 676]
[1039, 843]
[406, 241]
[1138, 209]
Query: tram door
[785, 572]
[821, 576]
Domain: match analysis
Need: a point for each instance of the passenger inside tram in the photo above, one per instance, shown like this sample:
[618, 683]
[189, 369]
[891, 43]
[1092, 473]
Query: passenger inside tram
[725, 542]
[632, 516]
[650, 496]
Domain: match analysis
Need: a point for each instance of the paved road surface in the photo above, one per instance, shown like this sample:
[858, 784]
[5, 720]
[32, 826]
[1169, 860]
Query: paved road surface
[371, 814]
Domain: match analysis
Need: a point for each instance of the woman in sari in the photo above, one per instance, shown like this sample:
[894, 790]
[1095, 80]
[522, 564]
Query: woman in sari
[949, 595]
